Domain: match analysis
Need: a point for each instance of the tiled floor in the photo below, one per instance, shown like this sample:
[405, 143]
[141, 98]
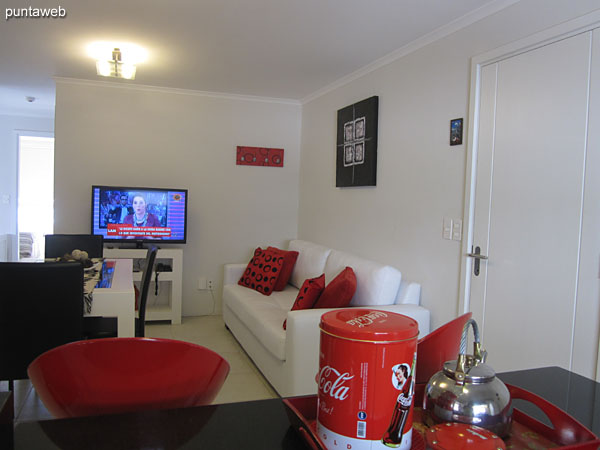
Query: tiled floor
[244, 382]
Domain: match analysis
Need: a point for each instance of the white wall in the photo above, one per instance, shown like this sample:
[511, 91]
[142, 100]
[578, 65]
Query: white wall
[10, 126]
[420, 178]
[156, 138]
[170, 139]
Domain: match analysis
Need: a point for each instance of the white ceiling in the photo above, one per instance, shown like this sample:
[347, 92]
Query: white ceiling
[270, 48]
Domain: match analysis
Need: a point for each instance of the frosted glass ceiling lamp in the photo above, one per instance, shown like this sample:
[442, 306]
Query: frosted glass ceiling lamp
[115, 67]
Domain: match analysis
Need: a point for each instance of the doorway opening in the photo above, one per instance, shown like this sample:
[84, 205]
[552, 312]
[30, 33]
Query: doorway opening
[35, 204]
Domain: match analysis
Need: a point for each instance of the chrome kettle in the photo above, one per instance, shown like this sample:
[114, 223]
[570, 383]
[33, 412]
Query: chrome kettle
[468, 391]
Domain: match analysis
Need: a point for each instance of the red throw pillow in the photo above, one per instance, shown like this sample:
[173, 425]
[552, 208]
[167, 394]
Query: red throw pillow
[262, 271]
[289, 260]
[309, 293]
[339, 291]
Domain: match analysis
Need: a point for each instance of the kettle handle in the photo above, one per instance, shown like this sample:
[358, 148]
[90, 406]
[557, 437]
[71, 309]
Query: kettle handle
[479, 354]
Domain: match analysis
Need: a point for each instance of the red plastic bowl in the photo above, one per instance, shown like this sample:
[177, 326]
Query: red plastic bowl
[106, 376]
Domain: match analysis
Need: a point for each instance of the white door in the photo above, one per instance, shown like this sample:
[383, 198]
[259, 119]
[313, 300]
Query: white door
[527, 207]
[35, 204]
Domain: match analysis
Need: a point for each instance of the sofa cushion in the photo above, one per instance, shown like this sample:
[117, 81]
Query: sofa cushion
[376, 284]
[262, 315]
[308, 294]
[289, 261]
[310, 263]
[339, 291]
[262, 271]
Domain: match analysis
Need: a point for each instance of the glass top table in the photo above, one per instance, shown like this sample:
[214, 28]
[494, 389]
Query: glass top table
[262, 424]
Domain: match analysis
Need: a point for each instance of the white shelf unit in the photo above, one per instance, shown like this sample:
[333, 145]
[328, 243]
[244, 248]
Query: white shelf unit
[169, 281]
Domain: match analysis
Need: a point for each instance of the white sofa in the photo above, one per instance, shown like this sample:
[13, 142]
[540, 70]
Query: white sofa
[289, 358]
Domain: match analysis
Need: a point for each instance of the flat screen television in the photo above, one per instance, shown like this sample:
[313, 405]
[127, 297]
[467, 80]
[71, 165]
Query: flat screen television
[136, 215]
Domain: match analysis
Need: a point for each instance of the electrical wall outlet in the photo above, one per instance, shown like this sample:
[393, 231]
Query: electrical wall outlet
[209, 285]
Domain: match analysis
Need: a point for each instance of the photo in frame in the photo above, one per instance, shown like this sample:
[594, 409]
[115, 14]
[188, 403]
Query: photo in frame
[456, 131]
[356, 155]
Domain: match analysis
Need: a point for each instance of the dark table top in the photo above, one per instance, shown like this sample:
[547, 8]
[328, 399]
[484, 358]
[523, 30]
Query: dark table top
[577, 395]
[260, 424]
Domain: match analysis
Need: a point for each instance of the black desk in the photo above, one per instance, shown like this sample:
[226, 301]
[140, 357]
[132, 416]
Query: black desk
[257, 425]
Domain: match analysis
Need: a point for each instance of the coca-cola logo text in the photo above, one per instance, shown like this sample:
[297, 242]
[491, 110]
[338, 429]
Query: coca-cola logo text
[366, 319]
[331, 382]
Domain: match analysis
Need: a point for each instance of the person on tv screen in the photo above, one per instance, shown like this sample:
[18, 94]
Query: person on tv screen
[104, 211]
[119, 214]
[141, 217]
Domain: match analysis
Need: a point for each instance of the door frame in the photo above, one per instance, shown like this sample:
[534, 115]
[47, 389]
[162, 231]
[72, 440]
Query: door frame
[559, 32]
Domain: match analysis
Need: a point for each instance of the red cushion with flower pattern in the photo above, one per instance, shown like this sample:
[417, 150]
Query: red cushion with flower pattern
[289, 260]
[262, 271]
[309, 293]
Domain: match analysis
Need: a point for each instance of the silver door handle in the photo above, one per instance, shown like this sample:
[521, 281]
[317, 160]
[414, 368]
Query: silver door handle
[477, 256]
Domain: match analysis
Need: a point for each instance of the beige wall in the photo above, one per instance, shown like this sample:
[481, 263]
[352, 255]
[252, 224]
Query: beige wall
[420, 178]
[120, 136]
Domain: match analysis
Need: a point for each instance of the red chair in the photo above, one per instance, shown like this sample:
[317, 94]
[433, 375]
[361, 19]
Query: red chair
[439, 346]
[114, 375]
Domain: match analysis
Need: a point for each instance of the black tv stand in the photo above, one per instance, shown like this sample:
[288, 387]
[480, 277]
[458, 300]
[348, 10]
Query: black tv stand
[135, 246]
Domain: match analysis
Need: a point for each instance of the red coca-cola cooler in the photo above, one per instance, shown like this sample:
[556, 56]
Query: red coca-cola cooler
[366, 376]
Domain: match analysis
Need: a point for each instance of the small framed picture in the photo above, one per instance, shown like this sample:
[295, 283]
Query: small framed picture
[348, 155]
[359, 152]
[456, 131]
[348, 131]
[359, 128]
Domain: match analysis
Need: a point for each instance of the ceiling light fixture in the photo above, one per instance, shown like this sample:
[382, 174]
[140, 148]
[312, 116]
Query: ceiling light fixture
[116, 59]
[115, 67]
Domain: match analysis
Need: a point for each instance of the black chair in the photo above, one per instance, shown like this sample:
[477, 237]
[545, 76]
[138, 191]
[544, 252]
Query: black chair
[41, 307]
[59, 244]
[101, 327]
[144, 288]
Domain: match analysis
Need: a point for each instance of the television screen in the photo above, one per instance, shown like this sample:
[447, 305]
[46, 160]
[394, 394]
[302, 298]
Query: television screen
[139, 214]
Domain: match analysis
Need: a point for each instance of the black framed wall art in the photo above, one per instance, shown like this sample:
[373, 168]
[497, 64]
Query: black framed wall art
[356, 154]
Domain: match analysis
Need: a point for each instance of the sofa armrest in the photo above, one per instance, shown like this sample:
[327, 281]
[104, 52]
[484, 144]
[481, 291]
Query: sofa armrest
[232, 273]
[408, 293]
[302, 342]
